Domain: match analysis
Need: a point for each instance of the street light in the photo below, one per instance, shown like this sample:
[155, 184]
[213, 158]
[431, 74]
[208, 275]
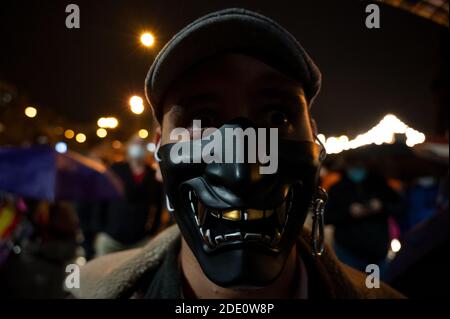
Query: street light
[101, 132]
[136, 104]
[31, 112]
[147, 39]
[69, 134]
[81, 138]
[107, 122]
[116, 144]
[61, 147]
[143, 133]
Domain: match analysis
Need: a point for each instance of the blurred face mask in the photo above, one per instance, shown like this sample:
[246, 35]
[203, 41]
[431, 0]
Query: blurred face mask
[357, 174]
[241, 225]
[426, 181]
[136, 151]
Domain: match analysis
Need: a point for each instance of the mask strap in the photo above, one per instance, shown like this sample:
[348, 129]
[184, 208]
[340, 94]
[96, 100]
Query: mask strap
[158, 159]
[169, 205]
[319, 202]
[155, 154]
[318, 225]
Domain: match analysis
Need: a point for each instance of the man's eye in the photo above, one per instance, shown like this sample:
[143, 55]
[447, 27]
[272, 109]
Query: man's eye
[206, 120]
[278, 119]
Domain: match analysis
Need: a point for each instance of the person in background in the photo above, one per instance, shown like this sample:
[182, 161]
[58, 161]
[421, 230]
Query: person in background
[423, 259]
[359, 207]
[131, 221]
[421, 198]
[44, 244]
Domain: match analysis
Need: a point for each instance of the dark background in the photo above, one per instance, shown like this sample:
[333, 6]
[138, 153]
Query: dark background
[86, 73]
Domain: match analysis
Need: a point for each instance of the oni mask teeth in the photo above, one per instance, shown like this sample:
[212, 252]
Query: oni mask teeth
[252, 236]
[246, 214]
[207, 238]
[215, 213]
[219, 239]
[233, 215]
[223, 239]
[233, 236]
[197, 221]
[200, 213]
[254, 214]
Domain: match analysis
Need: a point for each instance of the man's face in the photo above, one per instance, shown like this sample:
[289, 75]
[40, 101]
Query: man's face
[234, 86]
[235, 220]
[136, 150]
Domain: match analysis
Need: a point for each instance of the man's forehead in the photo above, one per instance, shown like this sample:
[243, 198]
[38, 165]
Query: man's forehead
[231, 70]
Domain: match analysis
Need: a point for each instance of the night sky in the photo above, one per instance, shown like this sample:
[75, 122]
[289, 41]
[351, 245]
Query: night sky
[90, 72]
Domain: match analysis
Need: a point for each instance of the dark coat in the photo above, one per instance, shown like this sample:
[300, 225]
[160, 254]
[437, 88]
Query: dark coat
[126, 274]
[367, 237]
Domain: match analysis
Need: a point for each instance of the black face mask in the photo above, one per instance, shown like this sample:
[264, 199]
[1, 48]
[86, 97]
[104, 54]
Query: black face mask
[241, 225]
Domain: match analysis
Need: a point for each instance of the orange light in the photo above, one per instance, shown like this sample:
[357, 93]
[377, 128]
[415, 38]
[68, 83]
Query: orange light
[69, 134]
[147, 39]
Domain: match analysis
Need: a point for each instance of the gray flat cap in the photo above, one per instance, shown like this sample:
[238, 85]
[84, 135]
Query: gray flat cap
[231, 30]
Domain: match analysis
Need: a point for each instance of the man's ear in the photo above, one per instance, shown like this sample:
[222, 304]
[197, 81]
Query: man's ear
[157, 138]
[157, 141]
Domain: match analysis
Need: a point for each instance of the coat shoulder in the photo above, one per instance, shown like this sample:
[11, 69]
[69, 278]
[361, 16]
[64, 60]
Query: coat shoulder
[358, 280]
[115, 275]
[341, 280]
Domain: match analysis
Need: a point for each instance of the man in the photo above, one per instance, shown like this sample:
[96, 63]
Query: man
[239, 232]
[129, 222]
[359, 207]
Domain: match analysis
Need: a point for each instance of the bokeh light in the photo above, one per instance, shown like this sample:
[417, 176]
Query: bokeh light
[80, 138]
[147, 39]
[101, 132]
[382, 133]
[136, 104]
[31, 112]
[395, 245]
[69, 134]
[107, 122]
[151, 147]
[61, 147]
[143, 133]
[116, 144]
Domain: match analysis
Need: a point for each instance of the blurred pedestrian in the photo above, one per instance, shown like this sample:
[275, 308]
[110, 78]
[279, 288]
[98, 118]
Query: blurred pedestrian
[131, 221]
[421, 199]
[36, 266]
[359, 207]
